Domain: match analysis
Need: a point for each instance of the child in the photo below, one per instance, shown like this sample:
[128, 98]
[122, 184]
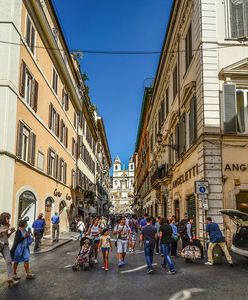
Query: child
[105, 245]
[20, 250]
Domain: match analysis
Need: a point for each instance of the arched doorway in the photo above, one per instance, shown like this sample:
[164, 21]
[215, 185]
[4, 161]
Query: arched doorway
[48, 214]
[27, 207]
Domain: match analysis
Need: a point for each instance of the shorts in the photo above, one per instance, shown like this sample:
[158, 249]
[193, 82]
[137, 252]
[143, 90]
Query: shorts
[122, 246]
[105, 249]
[134, 236]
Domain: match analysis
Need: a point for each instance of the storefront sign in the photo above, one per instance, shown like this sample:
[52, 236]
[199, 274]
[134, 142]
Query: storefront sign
[192, 172]
[236, 167]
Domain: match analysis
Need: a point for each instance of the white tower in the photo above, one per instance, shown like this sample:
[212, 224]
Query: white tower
[131, 164]
[117, 164]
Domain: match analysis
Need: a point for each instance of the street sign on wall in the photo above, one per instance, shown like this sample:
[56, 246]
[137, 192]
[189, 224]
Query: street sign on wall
[201, 187]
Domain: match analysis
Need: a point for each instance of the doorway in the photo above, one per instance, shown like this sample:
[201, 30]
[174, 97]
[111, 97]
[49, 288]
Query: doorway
[27, 207]
[177, 210]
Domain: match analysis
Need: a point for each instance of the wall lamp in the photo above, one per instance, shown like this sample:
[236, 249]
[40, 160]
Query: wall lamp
[160, 139]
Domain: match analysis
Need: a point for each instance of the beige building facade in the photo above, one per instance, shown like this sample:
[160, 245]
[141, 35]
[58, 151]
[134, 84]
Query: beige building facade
[45, 110]
[198, 117]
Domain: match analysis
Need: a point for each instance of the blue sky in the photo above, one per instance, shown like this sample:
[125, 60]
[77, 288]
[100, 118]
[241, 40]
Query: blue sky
[116, 81]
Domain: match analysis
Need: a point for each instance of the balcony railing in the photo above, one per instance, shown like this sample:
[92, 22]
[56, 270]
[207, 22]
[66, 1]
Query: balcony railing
[160, 173]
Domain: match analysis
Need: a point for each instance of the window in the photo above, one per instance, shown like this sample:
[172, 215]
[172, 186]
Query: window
[235, 109]
[238, 14]
[188, 47]
[55, 81]
[53, 120]
[73, 148]
[63, 133]
[26, 144]
[30, 34]
[175, 82]
[192, 121]
[28, 87]
[52, 163]
[73, 179]
[75, 120]
[62, 170]
[166, 103]
[65, 99]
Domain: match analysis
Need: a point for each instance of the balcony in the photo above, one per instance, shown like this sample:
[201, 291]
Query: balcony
[160, 175]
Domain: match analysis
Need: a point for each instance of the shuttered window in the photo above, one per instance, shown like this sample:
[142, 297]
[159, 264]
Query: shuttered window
[166, 103]
[177, 141]
[62, 170]
[55, 81]
[65, 99]
[175, 82]
[30, 34]
[54, 120]
[28, 87]
[52, 163]
[238, 18]
[230, 109]
[26, 144]
[192, 121]
[182, 134]
[188, 47]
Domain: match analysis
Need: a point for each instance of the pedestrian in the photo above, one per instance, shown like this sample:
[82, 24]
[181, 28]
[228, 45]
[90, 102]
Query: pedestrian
[182, 230]
[55, 227]
[157, 225]
[80, 228]
[20, 251]
[105, 245]
[134, 231]
[38, 226]
[5, 233]
[216, 238]
[123, 232]
[148, 236]
[94, 232]
[143, 221]
[165, 236]
[174, 239]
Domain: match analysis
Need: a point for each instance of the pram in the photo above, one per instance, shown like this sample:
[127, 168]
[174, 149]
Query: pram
[84, 259]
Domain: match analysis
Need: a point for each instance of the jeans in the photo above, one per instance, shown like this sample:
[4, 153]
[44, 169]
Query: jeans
[167, 259]
[173, 248]
[149, 250]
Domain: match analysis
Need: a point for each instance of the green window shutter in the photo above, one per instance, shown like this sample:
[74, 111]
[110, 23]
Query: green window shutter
[230, 108]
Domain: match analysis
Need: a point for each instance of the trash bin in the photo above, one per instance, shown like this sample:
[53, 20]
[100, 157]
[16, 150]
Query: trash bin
[217, 254]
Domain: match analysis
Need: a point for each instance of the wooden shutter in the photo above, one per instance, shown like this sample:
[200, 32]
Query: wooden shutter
[67, 102]
[73, 147]
[65, 172]
[230, 109]
[22, 79]
[63, 97]
[192, 121]
[66, 137]
[237, 19]
[175, 82]
[19, 140]
[56, 166]
[60, 169]
[246, 16]
[57, 124]
[177, 141]
[182, 134]
[61, 130]
[34, 95]
[49, 171]
[31, 150]
[50, 116]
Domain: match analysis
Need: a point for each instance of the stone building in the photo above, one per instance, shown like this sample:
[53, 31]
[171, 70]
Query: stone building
[121, 191]
[48, 130]
[197, 112]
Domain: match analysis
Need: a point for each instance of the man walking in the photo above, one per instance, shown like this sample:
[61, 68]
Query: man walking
[149, 236]
[39, 227]
[55, 227]
[216, 238]
[123, 235]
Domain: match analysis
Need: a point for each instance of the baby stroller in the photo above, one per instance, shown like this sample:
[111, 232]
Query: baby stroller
[84, 259]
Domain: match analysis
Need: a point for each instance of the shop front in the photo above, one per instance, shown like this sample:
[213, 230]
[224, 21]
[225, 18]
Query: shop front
[27, 207]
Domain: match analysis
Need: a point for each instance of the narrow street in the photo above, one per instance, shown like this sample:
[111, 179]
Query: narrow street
[55, 279]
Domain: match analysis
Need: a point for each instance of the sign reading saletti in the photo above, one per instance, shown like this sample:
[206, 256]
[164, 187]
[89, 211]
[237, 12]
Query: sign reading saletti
[236, 167]
[192, 172]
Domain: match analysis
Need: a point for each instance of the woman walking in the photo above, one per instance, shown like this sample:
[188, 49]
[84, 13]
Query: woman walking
[5, 233]
[94, 232]
[20, 251]
[105, 245]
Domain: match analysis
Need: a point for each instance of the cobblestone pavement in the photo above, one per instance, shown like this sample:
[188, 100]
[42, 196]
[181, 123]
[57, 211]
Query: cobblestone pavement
[55, 279]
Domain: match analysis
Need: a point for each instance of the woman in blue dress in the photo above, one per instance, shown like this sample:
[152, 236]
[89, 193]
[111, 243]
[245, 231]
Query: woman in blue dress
[20, 251]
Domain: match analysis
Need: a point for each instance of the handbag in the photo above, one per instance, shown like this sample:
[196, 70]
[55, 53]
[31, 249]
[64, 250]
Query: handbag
[119, 235]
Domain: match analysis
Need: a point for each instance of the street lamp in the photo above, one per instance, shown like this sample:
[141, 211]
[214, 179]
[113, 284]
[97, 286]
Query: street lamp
[160, 140]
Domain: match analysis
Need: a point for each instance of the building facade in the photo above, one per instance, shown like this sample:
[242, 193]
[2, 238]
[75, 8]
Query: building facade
[121, 191]
[48, 131]
[197, 114]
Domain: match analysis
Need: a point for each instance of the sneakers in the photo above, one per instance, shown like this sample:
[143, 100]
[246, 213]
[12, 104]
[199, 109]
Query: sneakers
[208, 263]
[30, 276]
[163, 267]
[106, 269]
[171, 272]
[150, 271]
[120, 264]
[12, 282]
[16, 278]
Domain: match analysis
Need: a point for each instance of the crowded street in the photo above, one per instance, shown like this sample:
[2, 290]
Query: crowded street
[55, 279]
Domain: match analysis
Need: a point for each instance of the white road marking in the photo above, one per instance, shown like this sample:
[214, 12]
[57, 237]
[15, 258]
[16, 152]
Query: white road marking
[136, 269]
[186, 294]
[69, 266]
